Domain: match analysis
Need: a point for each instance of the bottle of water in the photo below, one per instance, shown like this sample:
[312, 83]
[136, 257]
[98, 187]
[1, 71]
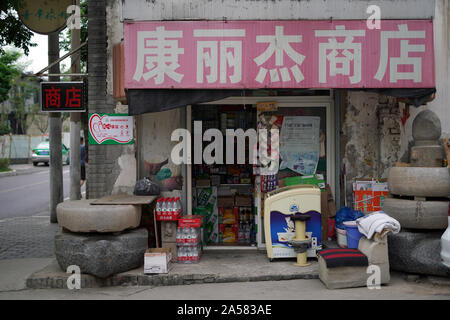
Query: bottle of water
[179, 239]
[163, 208]
[158, 207]
[192, 235]
[186, 235]
[178, 208]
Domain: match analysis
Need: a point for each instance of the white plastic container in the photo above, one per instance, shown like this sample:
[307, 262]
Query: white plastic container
[341, 236]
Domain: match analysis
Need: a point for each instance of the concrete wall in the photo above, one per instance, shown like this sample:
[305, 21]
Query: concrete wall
[370, 137]
[272, 10]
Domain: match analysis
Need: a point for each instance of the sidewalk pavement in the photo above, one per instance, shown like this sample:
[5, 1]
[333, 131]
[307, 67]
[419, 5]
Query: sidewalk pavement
[27, 261]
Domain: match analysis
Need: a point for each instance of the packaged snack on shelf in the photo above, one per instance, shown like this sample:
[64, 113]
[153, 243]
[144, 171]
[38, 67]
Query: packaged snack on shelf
[228, 215]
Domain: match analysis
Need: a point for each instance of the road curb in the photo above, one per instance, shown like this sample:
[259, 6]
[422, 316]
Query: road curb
[52, 279]
[8, 173]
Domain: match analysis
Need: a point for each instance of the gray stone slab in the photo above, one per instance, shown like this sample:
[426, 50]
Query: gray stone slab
[417, 252]
[101, 255]
[414, 214]
[81, 216]
[421, 182]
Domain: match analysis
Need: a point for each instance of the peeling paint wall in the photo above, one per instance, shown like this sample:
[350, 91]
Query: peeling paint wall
[370, 137]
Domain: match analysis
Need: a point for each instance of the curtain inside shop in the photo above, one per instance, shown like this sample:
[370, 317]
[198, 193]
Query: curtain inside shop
[142, 101]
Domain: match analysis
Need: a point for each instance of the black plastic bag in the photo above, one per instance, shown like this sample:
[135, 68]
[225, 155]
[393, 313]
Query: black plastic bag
[146, 187]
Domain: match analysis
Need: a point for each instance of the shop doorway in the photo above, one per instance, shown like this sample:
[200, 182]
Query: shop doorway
[235, 193]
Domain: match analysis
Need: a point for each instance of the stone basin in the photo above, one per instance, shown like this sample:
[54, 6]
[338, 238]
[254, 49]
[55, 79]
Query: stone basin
[419, 181]
[82, 216]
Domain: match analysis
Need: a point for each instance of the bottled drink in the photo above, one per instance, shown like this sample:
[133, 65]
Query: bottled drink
[180, 254]
[164, 207]
[178, 208]
[158, 206]
[193, 235]
[179, 235]
[186, 235]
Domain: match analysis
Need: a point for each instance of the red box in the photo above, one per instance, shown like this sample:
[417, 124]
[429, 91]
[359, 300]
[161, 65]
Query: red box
[190, 221]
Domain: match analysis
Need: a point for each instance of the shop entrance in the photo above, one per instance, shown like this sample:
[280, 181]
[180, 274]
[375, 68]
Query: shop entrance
[231, 195]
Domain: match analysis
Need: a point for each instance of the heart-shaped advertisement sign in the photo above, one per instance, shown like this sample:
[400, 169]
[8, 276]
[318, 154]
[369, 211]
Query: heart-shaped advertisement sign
[110, 129]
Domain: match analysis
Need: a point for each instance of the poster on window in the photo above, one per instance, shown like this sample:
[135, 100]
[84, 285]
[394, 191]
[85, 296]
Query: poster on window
[300, 144]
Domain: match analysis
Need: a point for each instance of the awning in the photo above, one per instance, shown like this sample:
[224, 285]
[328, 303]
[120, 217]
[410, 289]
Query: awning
[142, 101]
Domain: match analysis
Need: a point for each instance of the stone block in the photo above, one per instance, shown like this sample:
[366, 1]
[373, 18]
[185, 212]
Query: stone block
[427, 156]
[421, 182]
[349, 277]
[412, 214]
[417, 252]
[81, 216]
[101, 255]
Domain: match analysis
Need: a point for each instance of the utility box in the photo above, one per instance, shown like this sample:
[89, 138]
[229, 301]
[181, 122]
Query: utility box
[279, 206]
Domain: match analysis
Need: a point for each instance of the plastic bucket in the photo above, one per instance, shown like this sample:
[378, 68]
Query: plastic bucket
[353, 234]
[341, 236]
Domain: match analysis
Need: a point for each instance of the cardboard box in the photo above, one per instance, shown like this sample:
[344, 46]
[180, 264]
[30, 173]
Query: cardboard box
[157, 260]
[225, 202]
[315, 179]
[202, 183]
[243, 201]
[369, 195]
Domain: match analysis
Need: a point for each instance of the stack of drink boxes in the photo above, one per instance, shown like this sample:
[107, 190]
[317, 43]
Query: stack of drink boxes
[206, 206]
[168, 209]
[189, 239]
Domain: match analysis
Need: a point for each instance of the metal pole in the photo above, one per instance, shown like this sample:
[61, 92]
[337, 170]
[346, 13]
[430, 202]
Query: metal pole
[56, 178]
[75, 168]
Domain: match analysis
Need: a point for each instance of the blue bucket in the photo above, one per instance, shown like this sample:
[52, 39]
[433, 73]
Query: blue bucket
[353, 234]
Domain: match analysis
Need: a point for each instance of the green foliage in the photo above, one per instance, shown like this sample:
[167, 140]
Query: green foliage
[8, 71]
[4, 164]
[12, 30]
[4, 128]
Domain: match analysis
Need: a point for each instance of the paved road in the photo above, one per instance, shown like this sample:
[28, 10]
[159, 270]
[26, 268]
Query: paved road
[28, 194]
[264, 290]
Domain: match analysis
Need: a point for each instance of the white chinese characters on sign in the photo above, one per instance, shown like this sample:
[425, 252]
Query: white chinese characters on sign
[208, 55]
[158, 54]
[279, 54]
[278, 45]
[342, 54]
[404, 59]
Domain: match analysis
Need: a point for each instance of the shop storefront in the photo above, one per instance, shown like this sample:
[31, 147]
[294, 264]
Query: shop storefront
[208, 77]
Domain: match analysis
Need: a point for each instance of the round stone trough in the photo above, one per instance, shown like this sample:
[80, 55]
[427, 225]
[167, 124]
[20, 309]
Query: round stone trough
[414, 214]
[100, 254]
[82, 216]
[419, 181]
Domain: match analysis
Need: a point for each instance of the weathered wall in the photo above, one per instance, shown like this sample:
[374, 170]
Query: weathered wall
[370, 137]
[104, 168]
[272, 9]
